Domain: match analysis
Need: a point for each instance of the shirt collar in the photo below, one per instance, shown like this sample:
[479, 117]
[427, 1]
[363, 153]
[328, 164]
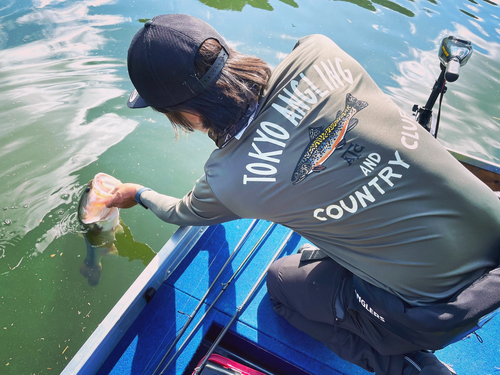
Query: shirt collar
[236, 130]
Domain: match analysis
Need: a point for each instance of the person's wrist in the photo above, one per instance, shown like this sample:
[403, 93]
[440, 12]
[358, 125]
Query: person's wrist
[138, 196]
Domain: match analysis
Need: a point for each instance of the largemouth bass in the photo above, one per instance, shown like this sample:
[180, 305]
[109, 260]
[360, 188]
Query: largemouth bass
[324, 140]
[99, 223]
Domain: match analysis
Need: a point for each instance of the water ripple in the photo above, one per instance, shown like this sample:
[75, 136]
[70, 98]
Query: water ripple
[469, 118]
[58, 106]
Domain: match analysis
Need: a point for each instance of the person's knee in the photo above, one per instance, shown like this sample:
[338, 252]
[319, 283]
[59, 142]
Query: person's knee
[273, 279]
[281, 278]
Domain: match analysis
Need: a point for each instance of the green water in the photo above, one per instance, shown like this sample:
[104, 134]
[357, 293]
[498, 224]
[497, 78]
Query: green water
[63, 118]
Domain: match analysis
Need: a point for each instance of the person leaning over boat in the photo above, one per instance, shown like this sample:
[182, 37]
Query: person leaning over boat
[317, 147]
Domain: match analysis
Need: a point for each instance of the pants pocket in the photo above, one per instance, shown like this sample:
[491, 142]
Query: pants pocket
[362, 320]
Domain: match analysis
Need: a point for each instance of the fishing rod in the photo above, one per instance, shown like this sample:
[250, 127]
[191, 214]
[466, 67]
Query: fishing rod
[224, 287]
[240, 308]
[202, 300]
[453, 53]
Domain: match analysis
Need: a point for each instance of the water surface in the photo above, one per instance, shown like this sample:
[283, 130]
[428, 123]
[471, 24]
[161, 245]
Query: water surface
[63, 118]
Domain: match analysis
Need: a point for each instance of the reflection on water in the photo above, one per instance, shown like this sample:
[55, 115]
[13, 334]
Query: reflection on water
[368, 4]
[54, 92]
[237, 5]
[470, 120]
[63, 84]
[57, 103]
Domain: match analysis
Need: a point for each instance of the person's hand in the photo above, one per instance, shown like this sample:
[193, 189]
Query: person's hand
[123, 196]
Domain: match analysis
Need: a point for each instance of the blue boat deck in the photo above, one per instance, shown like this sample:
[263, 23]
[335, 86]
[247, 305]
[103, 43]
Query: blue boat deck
[260, 335]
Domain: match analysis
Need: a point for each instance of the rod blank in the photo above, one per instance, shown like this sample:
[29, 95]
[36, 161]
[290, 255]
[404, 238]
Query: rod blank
[241, 307]
[225, 285]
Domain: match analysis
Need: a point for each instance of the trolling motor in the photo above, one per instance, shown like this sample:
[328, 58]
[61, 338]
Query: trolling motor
[453, 53]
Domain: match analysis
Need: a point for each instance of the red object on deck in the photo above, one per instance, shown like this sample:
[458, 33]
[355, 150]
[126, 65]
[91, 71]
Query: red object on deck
[218, 364]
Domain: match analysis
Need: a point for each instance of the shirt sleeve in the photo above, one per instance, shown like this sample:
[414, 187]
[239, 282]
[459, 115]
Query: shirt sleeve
[198, 207]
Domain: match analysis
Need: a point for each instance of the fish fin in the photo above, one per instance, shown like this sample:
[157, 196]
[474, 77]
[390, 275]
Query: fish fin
[352, 123]
[318, 168]
[119, 229]
[113, 250]
[357, 104]
[92, 273]
[314, 132]
[341, 144]
[339, 113]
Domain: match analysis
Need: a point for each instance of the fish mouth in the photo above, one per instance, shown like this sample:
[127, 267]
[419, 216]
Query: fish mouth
[105, 217]
[110, 215]
[92, 211]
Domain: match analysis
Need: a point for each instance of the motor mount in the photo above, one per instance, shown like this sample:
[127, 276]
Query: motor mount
[453, 54]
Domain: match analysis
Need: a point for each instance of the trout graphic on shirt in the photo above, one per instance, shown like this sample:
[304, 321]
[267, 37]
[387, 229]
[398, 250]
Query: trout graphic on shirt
[324, 140]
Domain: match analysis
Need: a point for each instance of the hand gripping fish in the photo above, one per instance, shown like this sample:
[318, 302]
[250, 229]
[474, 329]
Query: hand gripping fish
[325, 140]
[100, 224]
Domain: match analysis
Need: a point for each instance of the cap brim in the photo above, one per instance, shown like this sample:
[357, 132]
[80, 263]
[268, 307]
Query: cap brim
[135, 101]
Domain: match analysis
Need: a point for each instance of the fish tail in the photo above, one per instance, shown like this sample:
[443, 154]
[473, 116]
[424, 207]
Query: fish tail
[357, 104]
[91, 272]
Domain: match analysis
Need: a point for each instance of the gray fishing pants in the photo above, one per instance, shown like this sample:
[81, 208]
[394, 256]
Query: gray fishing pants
[317, 297]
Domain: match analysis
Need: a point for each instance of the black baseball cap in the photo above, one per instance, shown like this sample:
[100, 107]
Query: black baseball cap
[161, 61]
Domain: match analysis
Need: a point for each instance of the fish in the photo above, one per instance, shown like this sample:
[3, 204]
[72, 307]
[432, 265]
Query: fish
[324, 140]
[99, 224]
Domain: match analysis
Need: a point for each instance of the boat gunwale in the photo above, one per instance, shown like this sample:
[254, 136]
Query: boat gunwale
[96, 349]
[475, 161]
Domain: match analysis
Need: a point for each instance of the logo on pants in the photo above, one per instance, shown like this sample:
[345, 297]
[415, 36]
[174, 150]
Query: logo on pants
[368, 308]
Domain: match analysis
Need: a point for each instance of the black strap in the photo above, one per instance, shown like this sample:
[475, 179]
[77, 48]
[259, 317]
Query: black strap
[443, 90]
[215, 69]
